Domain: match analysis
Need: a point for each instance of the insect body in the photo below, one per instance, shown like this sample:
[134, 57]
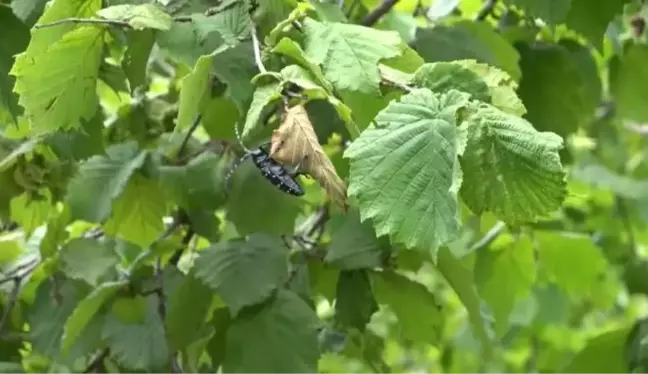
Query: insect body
[273, 171]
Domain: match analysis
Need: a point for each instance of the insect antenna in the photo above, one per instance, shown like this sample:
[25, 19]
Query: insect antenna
[237, 163]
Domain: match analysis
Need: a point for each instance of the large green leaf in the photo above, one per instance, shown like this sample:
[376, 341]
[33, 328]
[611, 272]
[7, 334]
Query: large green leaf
[355, 302]
[629, 93]
[419, 313]
[468, 40]
[137, 214]
[264, 95]
[244, 272]
[138, 16]
[551, 11]
[591, 21]
[140, 44]
[29, 212]
[57, 87]
[504, 274]
[404, 169]
[194, 92]
[13, 40]
[86, 310]
[572, 261]
[135, 335]
[354, 244]
[509, 168]
[559, 87]
[187, 310]
[280, 338]
[101, 179]
[232, 23]
[349, 54]
[445, 76]
[87, 259]
[604, 353]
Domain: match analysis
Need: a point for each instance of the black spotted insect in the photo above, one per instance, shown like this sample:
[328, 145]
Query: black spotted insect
[273, 171]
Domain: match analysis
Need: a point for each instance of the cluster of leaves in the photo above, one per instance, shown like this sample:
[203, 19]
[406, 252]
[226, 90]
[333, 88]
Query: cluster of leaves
[475, 200]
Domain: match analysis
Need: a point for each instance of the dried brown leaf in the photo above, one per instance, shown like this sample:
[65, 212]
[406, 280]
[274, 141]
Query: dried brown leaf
[295, 142]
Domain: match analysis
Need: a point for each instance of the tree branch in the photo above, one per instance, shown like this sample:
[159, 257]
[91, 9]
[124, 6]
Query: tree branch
[94, 21]
[375, 15]
[490, 236]
[485, 10]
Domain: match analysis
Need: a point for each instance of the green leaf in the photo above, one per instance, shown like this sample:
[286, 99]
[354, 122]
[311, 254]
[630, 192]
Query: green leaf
[501, 86]
[86, 310]
[235, 67]
[504, 274]
[56, 232]
[349, 54]
[217, 344]
[601, 177]
[290, 48]
[136, 57]
[138, 16]
[354, 244]
[187, 308]
[509, 168]
[28, 10]
[137, 214]
[461, 279]
[47, 317]
[592, 22]
[194, 92]
[572, 261]
[13, 40]
[468, 40]
[557, 91]
[604, 353]
[280, 338]
[10, 248]
[87, 259]
[101, 179]
[551, 11]
[263, 96]
[255, 205]
[30, 212]
[629, 93]
[445, 76]
[404, 169]
[355, 302]
[232, 23]
[244, 272]
[419, 313]
[57, 86]
[137, 344]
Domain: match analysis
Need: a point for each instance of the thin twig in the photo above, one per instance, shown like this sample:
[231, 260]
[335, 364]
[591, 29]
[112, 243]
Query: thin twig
[97, 361]
[257, 50]
[485, 10]
[376, 14]
[13, 297]
[490, 236]
[185, 141]
[94, 21]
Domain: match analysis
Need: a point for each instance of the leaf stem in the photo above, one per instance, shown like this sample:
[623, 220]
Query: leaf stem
[375, 15]
[257, 50]
[98, 21]
[185, 141]
[490, 236]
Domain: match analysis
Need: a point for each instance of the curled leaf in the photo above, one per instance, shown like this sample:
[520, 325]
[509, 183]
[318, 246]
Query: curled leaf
[295, 142]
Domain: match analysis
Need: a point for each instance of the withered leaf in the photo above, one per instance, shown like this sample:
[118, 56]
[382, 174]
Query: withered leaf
[295, 142]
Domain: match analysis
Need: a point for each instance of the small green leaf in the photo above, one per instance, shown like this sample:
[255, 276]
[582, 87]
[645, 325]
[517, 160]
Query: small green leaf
[355, 302]
[187, 308]
[137, 55]
[30, 212]
[466, 39]
[231, 23]
[629, 92]
[10, 248]
[101, 179]
[194, 92]
[13, 40]
[137, 214]
[509, 168]
[280, 338]
[217, 344]
[263, 97]
[404, 169]
[86, 310]
[138, 16]
[445, 76]
[572, 261]
[349, 54]
[87, 259]
[137, 345]
[244, 272]
[417, 309]
[605, 353]
[290, 48]
[57, 87]
[504, 274]
[354, 244]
